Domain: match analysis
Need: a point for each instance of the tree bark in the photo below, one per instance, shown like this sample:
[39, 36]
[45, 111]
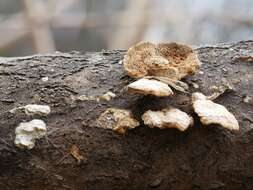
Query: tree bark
[203, 157]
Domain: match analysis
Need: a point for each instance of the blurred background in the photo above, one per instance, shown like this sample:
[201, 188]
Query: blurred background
[41, 26]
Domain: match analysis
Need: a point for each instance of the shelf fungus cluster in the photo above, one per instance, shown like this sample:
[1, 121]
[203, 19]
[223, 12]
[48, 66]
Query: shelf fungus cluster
[157, 67]
[120, 120]
[153, 87]
[165, 62]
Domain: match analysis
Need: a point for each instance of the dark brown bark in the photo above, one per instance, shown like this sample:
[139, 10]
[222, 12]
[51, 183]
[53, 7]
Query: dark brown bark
[200, 158]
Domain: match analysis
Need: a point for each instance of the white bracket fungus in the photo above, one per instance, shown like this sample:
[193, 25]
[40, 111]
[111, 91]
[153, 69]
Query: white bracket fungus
[34, 109]
[213, 113]
[28, 132]
[118, 120]
[167, 118]
[107, 96]
[147, 86]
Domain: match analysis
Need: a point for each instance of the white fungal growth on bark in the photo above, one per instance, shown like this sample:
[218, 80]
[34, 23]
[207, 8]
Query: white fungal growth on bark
[213, 113]
[107, 96]
[147, 86]
[44, 79]
[34, 109]
[167, 118]
[28, 132]
[118, 120]
[85, 98]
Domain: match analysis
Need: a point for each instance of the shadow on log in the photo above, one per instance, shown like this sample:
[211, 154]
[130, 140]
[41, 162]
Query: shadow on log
[203, 157]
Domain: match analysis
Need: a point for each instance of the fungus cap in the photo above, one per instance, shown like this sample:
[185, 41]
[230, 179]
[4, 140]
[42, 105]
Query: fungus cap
[167, 118]
[213, 113]
[152, 87]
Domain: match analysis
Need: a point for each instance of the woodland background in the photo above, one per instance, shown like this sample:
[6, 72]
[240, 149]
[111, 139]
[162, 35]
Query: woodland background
[29, 27]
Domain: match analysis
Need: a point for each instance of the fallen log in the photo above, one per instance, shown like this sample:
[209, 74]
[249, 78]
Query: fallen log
[76, 154]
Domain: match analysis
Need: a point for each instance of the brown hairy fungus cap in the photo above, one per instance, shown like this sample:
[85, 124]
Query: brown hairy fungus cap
[118, 120]
[170, 60]
[149, 86]
[167, 118]
[213, 113]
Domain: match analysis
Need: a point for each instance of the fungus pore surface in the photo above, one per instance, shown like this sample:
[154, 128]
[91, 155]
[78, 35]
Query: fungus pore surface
[171, 60]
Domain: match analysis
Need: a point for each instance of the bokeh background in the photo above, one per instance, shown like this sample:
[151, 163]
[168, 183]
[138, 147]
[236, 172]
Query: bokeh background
[42, 26]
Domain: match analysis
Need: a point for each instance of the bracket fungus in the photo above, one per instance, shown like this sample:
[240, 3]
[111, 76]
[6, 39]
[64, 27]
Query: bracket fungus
[118, 120]
[34, 109]
[213, 113]
[167, 118]
[171, 60]
[28, 132]
[148, 86]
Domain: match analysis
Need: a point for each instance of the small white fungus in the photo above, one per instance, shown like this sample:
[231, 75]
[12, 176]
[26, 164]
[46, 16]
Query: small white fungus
[28, 132]
[34, 109]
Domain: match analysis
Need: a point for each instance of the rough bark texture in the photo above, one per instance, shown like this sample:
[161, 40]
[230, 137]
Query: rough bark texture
[200, 158]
